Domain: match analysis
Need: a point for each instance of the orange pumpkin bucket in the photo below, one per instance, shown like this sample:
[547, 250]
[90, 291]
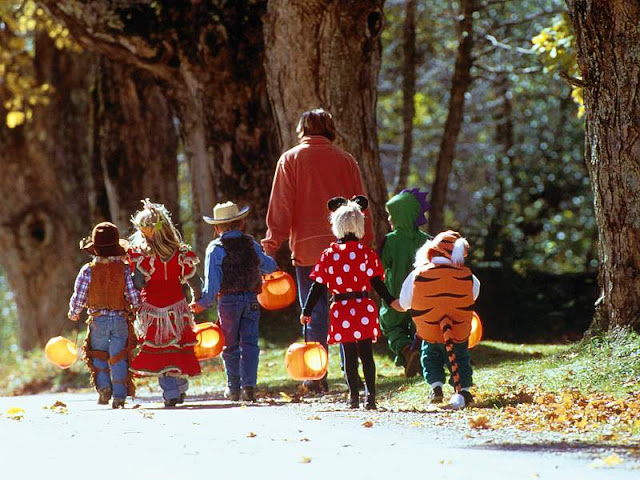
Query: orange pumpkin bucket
[61, 352]
[306, 360]
[278, 291]
[210, 341]
[476, 331]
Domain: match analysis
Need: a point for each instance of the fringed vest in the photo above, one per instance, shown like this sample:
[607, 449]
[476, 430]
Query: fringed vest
[106, 290]
[240, 266]
[442, 291]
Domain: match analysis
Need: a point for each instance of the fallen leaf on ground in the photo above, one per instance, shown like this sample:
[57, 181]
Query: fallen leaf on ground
[607, 462]
[479, 421]
[147, 414]
[314, 417]
[137, 405]
[251, 434]
[285, 397]
[416, 424]
[15, 413]
[305, 439]
[367, 424]
[305, 460]
[58, 407]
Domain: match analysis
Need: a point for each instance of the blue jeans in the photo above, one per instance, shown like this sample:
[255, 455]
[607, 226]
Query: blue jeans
[318, 328]
[110, 334]
[239, 316]
[433, 358]
[172, 387]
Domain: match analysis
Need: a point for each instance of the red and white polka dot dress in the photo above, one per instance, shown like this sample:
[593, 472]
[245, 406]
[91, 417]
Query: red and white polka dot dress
[347, 267]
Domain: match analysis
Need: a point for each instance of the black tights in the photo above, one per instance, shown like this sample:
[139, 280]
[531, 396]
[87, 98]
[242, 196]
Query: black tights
[364, 350]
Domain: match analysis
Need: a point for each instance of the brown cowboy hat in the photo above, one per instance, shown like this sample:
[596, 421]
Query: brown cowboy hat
[105, 241]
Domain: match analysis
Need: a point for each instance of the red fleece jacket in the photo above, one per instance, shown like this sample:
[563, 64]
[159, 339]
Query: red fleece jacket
[306, 177]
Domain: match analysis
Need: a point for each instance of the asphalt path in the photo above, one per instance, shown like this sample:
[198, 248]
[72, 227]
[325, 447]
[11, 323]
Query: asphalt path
[209, 438]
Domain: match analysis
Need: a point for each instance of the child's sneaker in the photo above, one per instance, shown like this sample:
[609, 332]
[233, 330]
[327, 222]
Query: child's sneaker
[468, 398]
[436, 395]
[104, 395]
[172, 402]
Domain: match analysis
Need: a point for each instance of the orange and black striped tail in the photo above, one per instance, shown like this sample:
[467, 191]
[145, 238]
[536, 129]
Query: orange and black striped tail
[446, 326]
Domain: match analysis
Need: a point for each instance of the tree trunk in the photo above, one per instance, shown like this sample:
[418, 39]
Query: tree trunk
[44, 185]
[408, 93]
[459, 87]
[322, 53]
[137, 141]
[608, 42]
[209, 56]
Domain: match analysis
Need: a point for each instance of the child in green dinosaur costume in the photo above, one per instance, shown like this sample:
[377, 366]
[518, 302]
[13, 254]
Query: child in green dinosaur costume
[406, 213]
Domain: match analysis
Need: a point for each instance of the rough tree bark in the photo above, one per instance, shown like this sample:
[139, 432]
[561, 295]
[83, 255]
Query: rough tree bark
[608, 41]
[324, 53]
[408, 93]
[459, 87]
[209, 56]
[44, 185]
[136, 141]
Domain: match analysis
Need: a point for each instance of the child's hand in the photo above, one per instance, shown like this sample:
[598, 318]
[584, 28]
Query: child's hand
[396, 306]
[195, 307]
[305, 319]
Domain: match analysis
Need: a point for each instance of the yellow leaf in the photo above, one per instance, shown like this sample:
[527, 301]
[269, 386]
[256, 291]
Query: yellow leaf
[15, 413]
[14, 119]
[285, 397]
[305, 460]
[251, 435]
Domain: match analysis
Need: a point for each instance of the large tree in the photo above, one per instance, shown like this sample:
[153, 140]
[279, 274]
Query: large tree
[608, 44]
[209, 57]
[44, 184]
[323, 53]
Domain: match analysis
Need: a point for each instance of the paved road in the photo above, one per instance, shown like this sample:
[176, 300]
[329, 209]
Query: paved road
[208, 438]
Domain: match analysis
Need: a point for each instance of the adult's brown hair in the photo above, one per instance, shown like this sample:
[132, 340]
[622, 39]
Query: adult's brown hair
[316, 122]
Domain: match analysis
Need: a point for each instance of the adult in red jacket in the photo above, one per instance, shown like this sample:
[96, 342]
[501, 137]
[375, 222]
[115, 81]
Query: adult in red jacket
[306, 177]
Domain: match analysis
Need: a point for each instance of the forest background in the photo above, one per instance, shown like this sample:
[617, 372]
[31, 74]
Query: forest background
[190, 103]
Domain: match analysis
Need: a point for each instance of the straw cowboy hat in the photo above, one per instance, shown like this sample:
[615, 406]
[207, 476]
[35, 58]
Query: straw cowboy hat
[105, 241]
[225, 213]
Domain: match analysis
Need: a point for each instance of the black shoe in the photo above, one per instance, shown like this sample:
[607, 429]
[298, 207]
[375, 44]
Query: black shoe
[411, 361]
[354, 401]
[181, 399]
[171, 402]
[371, 403]
[117, 403]
[436, 395]
[316, 386]
[104, 395]
[468, 398]
[249, 394]
[232, 394]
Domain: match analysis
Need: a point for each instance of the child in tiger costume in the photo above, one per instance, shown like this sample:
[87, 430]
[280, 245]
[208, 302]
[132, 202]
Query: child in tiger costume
[440, 294]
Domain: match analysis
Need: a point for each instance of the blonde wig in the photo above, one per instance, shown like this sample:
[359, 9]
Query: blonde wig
[348, 218]
[155, 232]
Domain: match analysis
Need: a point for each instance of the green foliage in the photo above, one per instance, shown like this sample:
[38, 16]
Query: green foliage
[519, 189]
[556, 47]
[20, 23]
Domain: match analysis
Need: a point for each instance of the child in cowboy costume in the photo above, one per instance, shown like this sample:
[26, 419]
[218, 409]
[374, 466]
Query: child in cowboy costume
[440, 294]
[234, 263]
[105, 287]
[165, 267]
[349, 269]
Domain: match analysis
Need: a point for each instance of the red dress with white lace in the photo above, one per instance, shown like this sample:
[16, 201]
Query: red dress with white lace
[347, 267]
[164, 324]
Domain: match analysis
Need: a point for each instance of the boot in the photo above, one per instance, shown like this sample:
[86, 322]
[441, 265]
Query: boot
[371, 403]
[232, 394]
[249, 394]
[104, 395]
[117, 403]
[354, 400]
[411, 361]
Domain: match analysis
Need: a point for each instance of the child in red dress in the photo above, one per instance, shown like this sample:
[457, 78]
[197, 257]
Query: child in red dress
[349, 269]
[163, 265]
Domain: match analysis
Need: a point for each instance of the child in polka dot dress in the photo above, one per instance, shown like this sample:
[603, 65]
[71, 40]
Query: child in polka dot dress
[349, 269]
